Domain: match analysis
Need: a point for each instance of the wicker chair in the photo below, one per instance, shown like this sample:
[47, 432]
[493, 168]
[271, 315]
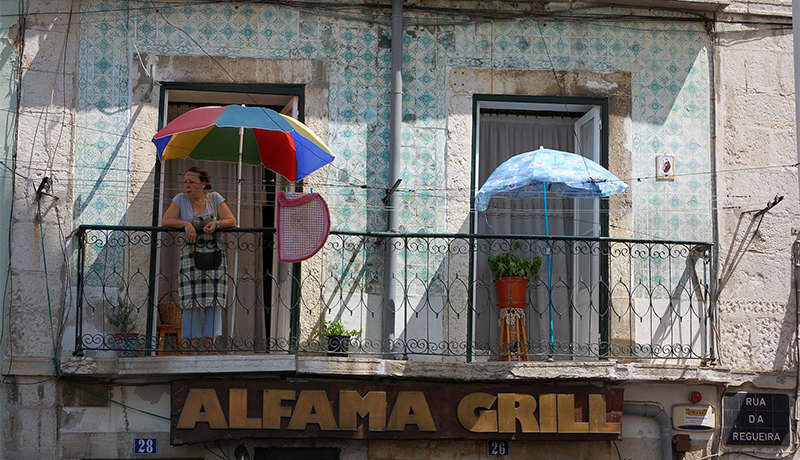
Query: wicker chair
[170, 318]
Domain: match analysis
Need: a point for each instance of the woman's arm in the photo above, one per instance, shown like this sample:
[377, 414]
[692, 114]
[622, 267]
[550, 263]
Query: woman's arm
[172, 219]
[226, 219]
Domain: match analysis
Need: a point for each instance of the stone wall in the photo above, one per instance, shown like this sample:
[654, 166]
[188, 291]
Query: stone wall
[755, 158]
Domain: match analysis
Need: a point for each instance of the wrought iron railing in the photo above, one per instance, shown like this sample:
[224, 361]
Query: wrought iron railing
[601, 298]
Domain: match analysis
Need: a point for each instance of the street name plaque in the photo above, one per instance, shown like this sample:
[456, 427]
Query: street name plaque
[756, 419]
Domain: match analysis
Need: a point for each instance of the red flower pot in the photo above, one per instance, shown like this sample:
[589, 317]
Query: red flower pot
[511, 291]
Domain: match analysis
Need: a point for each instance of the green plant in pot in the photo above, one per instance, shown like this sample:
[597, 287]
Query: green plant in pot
[512, 273]
[123, 318]
[338, 336]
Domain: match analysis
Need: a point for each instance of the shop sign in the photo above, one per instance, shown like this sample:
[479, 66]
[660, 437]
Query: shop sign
[206, 410]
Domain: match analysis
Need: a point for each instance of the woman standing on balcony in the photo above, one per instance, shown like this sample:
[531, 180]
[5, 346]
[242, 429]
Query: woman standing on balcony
[203, 283]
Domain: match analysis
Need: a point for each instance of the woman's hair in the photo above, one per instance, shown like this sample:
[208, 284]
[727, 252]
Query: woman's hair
[202, 175]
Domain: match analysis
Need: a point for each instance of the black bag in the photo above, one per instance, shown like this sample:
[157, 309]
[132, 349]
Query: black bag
[207, 260]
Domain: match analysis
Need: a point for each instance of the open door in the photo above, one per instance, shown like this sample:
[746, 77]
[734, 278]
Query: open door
[586, 260]
[259, 306]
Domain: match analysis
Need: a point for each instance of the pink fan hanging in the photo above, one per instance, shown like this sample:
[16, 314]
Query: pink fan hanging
[304, 224]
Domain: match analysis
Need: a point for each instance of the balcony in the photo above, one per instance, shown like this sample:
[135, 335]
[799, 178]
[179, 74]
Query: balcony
[427, 297]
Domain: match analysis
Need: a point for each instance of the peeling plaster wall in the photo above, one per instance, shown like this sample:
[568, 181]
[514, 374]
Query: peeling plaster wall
[37, 246]
[10, 31]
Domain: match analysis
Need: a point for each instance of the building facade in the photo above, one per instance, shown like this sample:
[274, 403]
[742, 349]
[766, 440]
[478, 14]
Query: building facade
[662, 323]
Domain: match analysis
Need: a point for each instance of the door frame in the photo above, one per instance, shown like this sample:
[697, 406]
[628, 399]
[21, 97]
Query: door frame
[550, 104]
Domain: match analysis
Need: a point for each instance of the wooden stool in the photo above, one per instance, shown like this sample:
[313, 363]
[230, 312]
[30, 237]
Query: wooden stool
[166, 332]
[513, 338]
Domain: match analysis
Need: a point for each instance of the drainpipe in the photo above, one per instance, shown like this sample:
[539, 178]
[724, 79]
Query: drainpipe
[390, 200]
[664, 423]
[711, 344]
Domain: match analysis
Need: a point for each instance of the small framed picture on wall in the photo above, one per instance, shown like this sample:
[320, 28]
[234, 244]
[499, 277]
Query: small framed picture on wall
[665, 167]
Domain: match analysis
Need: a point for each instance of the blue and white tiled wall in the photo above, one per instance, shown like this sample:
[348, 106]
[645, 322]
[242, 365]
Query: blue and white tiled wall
[668, 62]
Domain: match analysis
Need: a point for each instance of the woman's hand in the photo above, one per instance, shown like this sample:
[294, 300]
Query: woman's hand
[172, 219]
[191, 234]
[210, 227]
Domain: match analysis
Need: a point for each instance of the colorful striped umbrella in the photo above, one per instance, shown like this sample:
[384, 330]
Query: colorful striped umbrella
[279, 142]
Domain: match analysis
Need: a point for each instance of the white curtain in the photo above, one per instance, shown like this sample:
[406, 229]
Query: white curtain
[501, 136]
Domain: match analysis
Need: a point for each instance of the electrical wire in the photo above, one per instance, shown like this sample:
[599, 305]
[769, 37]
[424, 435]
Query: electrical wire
[47, 288]
[15, 84]
[223, 456]
[617, 448]
[423, 191]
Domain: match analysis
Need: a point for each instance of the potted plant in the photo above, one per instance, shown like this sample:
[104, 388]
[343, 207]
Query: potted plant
[123, 317]
[512, 273]
[338, 336]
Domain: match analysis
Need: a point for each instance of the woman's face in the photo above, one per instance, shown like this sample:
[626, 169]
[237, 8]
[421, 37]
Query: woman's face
[192, 184]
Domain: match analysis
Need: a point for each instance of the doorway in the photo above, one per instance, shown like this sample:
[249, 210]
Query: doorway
[570, 296]
[256, 285]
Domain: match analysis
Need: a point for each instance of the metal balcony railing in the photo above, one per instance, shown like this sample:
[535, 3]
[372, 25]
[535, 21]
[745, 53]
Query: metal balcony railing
[601, 298]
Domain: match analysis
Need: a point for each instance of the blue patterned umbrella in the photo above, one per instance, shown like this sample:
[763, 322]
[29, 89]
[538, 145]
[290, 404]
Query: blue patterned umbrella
[543, 171]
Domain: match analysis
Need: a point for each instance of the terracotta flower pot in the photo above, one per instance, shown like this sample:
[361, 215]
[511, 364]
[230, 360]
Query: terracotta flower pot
[126, 344]
[511, 291]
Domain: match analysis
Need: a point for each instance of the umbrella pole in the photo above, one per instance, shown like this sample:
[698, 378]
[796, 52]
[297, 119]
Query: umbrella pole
[549, 273]
[238, 216]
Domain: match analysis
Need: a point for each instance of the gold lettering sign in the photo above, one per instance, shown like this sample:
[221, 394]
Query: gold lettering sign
[312, 407]
[513, 407]
[273, 408]
[214, 409]
[566, 416]
[238, 411]
[597, 416]
[352, 405]
[474, 413]
[202, 405]
[548, 418]
[411, 408]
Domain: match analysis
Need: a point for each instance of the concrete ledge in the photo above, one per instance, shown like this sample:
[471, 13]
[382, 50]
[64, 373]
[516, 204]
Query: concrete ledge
[165, 368]
[29, 366]
[764, 380]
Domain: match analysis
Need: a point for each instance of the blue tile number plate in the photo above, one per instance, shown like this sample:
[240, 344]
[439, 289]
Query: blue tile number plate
[497, 448]
[145, 446]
